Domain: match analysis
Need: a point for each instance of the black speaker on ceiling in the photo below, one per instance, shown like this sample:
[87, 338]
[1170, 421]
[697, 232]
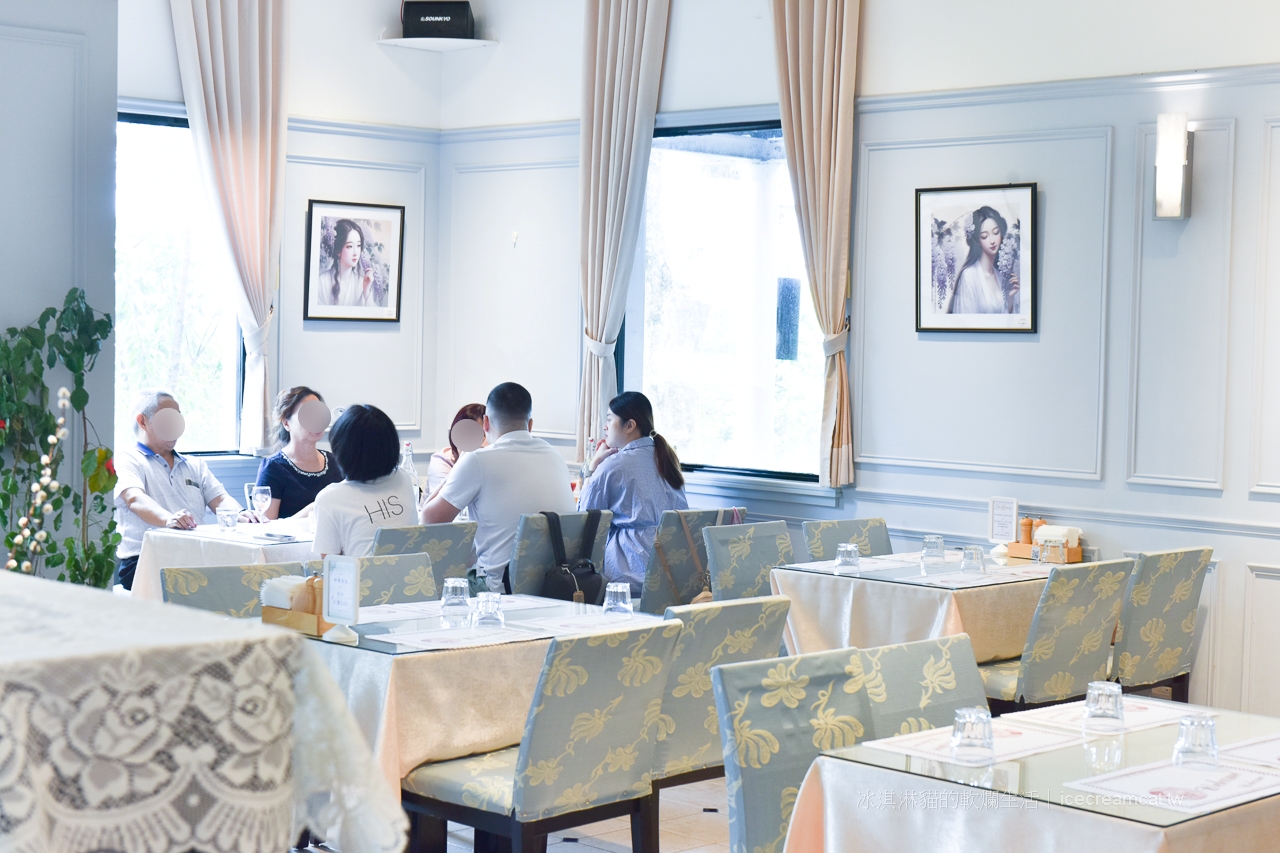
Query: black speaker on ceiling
[437, 19]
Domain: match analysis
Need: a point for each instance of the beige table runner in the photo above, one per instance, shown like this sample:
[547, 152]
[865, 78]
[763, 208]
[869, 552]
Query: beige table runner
[834, 612]
[849, 807]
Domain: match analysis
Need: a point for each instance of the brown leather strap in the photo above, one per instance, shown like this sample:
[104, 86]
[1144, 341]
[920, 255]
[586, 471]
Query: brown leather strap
[666, 570]
[693, 551]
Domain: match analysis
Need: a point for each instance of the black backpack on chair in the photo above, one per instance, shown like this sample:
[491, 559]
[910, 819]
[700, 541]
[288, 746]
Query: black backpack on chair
[578, 580]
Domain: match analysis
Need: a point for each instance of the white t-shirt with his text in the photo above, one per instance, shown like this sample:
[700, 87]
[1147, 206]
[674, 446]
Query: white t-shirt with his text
[348, 513]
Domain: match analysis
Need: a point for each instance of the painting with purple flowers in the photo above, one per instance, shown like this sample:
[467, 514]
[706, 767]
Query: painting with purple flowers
[975, 259]
[354, 260]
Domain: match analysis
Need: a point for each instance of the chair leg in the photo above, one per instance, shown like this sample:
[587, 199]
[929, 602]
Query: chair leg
[1181, 688]
[427, 834]
[644, 825]
[525, 840]
[488, 842]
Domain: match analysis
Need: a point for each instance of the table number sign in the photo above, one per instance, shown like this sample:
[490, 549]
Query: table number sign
[341, 597]
[1002, 520]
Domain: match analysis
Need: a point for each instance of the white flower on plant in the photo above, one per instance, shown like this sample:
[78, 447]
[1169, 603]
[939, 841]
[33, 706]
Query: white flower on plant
[11, 565]
[41, 535]
[35, 548]
[41, 497]
[44, 481]
[19, 539]
[53, 485]
[44, 460]
[47, 509]
[26, 566]
[23, 522]
[63, 432]
[47, 472]
[53, 439]
[35, 487]
[62, 421]
[63, 393]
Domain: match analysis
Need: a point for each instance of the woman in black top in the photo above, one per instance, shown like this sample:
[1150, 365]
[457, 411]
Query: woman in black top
[298, 470]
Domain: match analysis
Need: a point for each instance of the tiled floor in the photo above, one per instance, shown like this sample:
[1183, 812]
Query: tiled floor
[692, 819]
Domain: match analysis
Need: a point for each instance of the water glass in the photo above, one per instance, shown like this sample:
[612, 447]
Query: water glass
[932, 554]
[1104, 754]
[1103, 708]
[261, 500]
[972, 741]
[1053, 551]
[489, 611]
[227, 520]
[1197, 744]
[847, 556]
[617, 599]
[455, 606]
[974, 559]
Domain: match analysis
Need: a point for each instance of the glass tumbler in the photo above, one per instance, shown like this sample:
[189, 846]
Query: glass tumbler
[972, 741]
[227, 519]
[617, 599]
[455, 609]
[1053, 551]
[973, 560]
[1103, 708]
[1197, 744]
[933, 554]
[489, 611]
[847, 556]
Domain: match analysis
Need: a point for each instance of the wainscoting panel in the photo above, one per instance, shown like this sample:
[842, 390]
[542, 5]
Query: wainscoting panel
[1264, 475]
[1261, 688]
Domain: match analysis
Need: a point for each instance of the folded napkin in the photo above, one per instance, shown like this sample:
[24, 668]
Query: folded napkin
[276, 592]
[1070, 535]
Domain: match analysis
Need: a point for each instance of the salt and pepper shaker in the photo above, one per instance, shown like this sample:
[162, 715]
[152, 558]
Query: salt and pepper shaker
[1024, 531]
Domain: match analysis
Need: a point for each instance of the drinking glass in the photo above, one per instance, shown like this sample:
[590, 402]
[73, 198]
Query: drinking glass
[227, 520]
[1104, 754]
[455, 608]
[617, 599]
[1197, 744]
[932, 554]
[1053, 551]
[973, 559]
[972, 741]
[261, 500]
[1103, 708]
[489, 611]
[847, 556]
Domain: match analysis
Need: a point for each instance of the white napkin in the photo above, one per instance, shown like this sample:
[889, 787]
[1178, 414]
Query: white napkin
[1070, 535]
[275, 591]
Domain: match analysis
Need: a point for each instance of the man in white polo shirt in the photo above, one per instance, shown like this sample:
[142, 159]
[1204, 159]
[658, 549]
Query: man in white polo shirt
[516, 474]
[157, 486]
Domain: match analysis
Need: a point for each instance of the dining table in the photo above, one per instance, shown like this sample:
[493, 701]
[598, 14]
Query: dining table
[892, 599]
[1050, 787]
[280, 541]
[130, 725]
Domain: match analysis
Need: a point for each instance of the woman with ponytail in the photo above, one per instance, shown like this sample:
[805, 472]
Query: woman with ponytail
[635, 474]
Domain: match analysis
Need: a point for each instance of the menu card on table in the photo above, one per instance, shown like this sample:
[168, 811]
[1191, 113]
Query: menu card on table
[1190, 790]
[1012, 740]
[458, 638]
[1139, 714]
[1263, 750]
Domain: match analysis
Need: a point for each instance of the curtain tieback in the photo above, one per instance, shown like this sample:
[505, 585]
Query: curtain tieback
[255, 340]
[600, 349]
[832, 344]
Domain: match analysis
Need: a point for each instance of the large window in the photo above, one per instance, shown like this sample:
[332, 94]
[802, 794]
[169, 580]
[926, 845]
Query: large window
[732, 351]
[175, 323]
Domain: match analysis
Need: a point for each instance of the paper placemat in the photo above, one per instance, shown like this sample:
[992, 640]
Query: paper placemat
[1011, 740]
[1139, 714]
[1189, 790]
[589, 622]
[963, 580]
[1263, 750]
[458, 638]
[425, 609]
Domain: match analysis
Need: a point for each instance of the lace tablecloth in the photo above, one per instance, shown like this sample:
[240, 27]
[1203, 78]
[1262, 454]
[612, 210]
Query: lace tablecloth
[140, 727]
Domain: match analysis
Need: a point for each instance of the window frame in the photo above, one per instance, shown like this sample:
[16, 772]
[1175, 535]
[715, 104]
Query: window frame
[751, 473]
[135, 117]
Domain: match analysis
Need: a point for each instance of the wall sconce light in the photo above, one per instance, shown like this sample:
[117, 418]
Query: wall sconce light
[1173, 166]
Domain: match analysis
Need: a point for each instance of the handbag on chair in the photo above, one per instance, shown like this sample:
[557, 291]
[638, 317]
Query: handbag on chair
[704, 596]
[578, 580]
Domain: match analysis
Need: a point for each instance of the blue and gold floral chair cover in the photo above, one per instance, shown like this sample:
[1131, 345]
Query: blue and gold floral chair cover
[229, 590]
[532, 557]
[911, 687]
[776, 716]
[393, 579]
[450, 546]
[871, 535]
[588, 740]
[740, 557]
[714, 633]
[1069, 641]
[1155, 640]
[677, 567]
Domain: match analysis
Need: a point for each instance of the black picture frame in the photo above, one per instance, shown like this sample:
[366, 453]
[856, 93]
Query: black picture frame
[945, 252]
[375, 290]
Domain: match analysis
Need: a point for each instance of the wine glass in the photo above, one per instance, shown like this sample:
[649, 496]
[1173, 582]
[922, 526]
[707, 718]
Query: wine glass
[261, 500]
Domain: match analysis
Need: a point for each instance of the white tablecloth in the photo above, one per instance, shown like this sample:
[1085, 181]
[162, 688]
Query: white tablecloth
[835, 612]
[207, 545]
[146, 728]
[857, 808]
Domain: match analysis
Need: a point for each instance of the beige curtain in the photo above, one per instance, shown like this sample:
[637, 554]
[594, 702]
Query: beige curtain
[817, 62]
[233, 61]
[621, 73]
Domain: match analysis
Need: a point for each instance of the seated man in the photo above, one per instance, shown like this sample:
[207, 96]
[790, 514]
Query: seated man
[515, 475]
[157, 486]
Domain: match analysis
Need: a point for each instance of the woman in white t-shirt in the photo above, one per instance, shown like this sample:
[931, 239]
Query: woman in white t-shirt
[375, 493]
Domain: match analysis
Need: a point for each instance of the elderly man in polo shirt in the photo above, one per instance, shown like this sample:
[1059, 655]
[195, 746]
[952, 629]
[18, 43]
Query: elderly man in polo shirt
[159, 487]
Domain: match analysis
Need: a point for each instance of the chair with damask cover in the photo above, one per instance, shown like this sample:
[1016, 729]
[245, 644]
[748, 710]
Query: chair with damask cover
[740, 557]
[532, 556]
[1067, 645]
[919, 685]
[1155, 642]
[775, 717]
[229, 590]
[451, 546]
[676, 572]
[585, 755]
[871, 535]
[393, 579]
[715, 633]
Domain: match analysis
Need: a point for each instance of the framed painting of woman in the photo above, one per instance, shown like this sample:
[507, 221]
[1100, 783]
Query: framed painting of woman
[976, 259]
[355, 254]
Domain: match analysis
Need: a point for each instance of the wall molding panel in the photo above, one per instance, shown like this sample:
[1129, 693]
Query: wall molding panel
[1264, 469]
[1259, 690]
